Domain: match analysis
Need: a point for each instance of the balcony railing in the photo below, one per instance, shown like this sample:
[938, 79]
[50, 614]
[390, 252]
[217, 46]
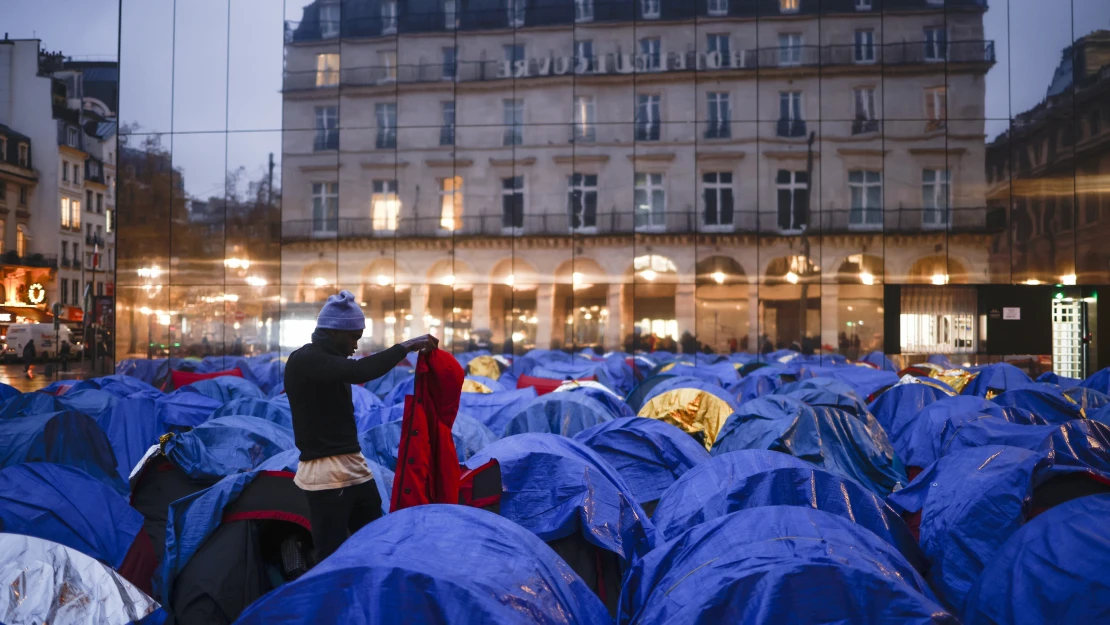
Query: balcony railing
[30, 260]
[846, 220]
[789, 57]
[791, 128]
[92, 239]
[865, 126]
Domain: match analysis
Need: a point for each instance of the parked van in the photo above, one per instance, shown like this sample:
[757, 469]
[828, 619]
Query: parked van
[43, 336]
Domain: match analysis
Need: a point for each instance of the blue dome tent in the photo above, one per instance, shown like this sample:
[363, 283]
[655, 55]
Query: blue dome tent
[1046, 402]
[905, 401]
[254, 407]
[558, 413]
[997, 378]
[67, 438]
[380, 443]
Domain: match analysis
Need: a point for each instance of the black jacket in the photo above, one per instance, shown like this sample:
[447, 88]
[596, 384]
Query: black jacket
[318, 381]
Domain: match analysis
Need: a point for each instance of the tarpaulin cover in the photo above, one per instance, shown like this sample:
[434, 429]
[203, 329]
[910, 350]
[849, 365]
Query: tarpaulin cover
[30, 404]
[919, 439]
[1099, 381]
[825, 392]
[1080, 443]
[829, 438]
[260, 408]
[903, 401]
[997, 378]
[67, 506]
[1046, 402]
[435, 564]
[497, 409]
[183, 409]
[380, 442]
[1052, 570]
[226, 388]
[940, 359]
[1089, 400]
[131, 427]
[753, 386]
[865, 381]
[698, 412]
[555, 486]
[1051, 377]
[149, 371]
[58, 387]
[649, 454]
[879, 361]
[612, 402]
[120, 385]
[639, 395]
[558, 413]
[478, 384]
[714, 375]
[721, 488]
[679, 382]
[484, 366]
[49, 583]
[226, 445]
[89, 401]
[970, 503]
[68, 438]
[777, 564]
[991, 431]
[397, 394]
[182, 378]
[383, 385]
[7, 392]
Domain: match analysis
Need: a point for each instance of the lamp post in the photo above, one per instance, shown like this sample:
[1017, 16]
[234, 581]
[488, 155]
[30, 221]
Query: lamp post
[804, 268]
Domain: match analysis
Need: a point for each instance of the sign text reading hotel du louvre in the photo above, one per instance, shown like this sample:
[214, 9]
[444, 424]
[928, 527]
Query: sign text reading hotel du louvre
[619, 64]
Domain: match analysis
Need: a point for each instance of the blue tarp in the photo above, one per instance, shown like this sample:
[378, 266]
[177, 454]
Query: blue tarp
[121, 386]
[777, 564]
[435, 564]
[131, 427]
[558, 413]
[7, 392]
[1099, 381]
[227, 445]
[253, 407]
[753, 479]
[638, 396]
[556, 487]
[92, 402]
[865, 381]
[495, 410]
[30, 404]
[383, 385]
[226, 388]
[829, 438]
[69, 507]
[919, 439]
[1089, 400]
[649, 454]
[67, 438]
[184, 409]
[613, 403]
[970, 503]
[903, 402]
[680, 381]
[1050, 377]
[825, 392]
[1052, 570]
[1046, 402]
[940, 359]
[879, 359]
[380, 443]
[150, 371]
[1080, 443]
[396, 395]
[991, 431]
[996, 378]
[753, 386]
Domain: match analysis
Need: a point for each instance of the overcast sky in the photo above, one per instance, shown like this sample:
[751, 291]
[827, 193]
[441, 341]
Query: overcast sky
[204, 92]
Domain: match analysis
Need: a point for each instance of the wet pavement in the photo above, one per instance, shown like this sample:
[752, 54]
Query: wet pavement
[13, 375]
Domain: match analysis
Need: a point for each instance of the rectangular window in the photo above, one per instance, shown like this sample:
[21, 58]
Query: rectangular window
[450, 203]
[3, 234]
[790, 122]
[3, 192]
[24, 154]
[516, 13]
[512, 202]
[64, 290]
[325, 207]
[65, 171]
[865, 46]
[76, 173]
[865, 120]
[649, 9]
[585, 118]
[863, 5]
[386, 114]
[717, 196]
[71, 137]
[583, 56]
[936, 43]
[65, 253]
[583, 10]
[450, 16]
[88, 199]
[20, 241]
[719, 51]
[327, 128]
[582, 200]
[718, 115]
[327, 70]
[447, 128]
[936, 108]
[866, 188]
[329, 20]
[387, 61]
[110, 186]
[22, 195]
[650, 54]
[717, 7]
[936, 196]
[449, 63]
[647, 118]
[65, 212]
[76, 285]
[789, 6]
[650, 201]
[793, 199]
[389, 17]
[790, 49]
[75, 214]
[385, 207]
[513, 118]
[108, 220]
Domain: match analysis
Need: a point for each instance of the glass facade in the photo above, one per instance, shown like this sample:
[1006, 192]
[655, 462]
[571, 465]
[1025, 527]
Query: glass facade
[724, 175]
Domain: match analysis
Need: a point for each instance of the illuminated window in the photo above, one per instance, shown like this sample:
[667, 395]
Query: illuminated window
[385, 205]
[75, 214]
[450, 203]
[20, 241]
[327, 70]
[789, 6]
[65, 212]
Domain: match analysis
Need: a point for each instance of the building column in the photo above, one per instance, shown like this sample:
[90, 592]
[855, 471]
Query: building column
[614, 326]
[545, 312]
[830, 314]
[753, 318]
[685, 308]
[480, 311]
[418, 300]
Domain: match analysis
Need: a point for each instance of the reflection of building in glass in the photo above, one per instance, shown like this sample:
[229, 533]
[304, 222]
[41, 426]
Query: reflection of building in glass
[1051, 168]
[581, 172]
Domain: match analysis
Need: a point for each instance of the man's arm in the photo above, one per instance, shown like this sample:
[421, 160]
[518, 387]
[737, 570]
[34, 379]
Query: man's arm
[329, 368]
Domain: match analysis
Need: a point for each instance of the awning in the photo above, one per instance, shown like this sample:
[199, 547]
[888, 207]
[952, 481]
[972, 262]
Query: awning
[10, 314]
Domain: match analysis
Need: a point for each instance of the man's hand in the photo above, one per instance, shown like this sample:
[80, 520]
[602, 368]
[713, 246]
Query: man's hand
[424, 343]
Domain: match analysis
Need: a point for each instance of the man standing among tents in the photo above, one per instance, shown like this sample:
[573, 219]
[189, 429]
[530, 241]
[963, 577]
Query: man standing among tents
[333, 473]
